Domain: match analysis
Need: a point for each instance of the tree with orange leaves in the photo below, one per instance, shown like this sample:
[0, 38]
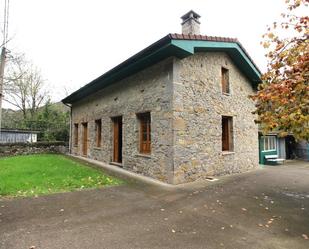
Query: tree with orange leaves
[282, 100]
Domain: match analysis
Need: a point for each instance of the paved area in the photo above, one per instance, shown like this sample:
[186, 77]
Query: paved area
[267, 208]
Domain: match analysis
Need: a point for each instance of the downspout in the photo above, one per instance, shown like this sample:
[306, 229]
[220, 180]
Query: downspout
[70, 132]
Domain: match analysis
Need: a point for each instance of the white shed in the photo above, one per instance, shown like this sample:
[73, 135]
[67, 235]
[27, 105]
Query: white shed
[18, 136]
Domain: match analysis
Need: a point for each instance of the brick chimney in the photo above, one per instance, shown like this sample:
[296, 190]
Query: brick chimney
[190, 23]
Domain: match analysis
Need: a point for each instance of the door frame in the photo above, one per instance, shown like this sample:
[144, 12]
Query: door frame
[85, 139]
[117, 139]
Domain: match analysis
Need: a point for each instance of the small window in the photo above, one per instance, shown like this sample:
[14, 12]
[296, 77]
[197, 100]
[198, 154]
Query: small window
[145, 132]
[98, 132]
[75, 134]
[227, 134]
[225, 80]
[269, 143]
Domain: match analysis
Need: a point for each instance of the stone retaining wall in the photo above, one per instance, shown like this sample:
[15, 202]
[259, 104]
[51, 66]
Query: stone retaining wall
[13, 149]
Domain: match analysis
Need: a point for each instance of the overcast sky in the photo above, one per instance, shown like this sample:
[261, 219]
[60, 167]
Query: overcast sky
[74, 41]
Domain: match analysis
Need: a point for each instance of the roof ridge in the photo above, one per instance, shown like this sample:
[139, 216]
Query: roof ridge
[202, 37]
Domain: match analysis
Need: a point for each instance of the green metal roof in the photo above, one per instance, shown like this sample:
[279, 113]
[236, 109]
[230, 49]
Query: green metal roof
[177, 45]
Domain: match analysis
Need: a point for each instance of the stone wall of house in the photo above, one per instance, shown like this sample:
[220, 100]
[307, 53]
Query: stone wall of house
[147, 91]
[14, 149]
[198, 106]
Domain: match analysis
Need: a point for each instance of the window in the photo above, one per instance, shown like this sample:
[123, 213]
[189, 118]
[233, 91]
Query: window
[225, 80]
[145, 133]
[269, 143]
[227, 134]
[75, 134]
[98, 132]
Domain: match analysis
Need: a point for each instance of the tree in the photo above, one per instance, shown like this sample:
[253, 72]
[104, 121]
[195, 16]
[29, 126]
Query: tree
[54, 122]
[282, 100]
[24, 87]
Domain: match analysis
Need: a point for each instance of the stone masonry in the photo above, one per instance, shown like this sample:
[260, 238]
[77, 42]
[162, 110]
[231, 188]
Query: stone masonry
[198, 107]
[186, 105]
[149, 90]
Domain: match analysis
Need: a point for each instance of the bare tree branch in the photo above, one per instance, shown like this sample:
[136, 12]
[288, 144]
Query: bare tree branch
[24, 86]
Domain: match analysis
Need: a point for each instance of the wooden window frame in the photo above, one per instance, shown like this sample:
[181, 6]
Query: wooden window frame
[225, 81]
[269, 143]
[227, 134]
[145, 126]
[75, 134]
[98, 132]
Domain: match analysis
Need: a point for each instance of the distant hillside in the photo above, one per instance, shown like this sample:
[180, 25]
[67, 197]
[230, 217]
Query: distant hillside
[59, 106]
[13, 119]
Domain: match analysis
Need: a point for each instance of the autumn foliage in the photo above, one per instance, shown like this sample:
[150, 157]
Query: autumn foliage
[282, 100]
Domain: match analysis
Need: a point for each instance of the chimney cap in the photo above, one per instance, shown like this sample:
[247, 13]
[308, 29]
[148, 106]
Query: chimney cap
[190, 14]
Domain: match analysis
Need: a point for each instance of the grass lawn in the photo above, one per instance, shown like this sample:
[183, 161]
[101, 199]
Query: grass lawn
[34, 175]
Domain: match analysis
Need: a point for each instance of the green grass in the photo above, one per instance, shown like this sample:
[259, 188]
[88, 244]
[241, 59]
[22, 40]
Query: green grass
[34, 175]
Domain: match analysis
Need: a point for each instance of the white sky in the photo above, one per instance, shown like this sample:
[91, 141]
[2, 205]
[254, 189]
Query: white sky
[75, 41]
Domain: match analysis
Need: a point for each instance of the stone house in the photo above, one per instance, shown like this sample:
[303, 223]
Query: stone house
[177, 111]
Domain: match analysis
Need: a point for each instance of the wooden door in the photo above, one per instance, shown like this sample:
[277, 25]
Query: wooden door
[117, 140]
[225, 134]
[85, 139]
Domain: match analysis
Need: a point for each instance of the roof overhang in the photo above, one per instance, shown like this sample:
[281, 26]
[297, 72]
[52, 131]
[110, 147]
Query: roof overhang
[233, 49]
[18, 131]
[168, 46]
